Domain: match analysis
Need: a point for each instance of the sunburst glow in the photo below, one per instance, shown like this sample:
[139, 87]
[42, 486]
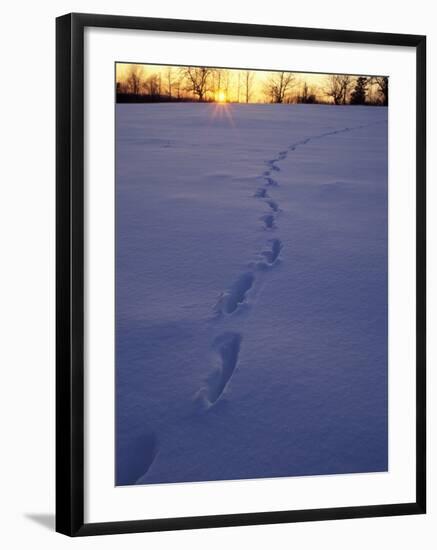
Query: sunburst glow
[220, 97]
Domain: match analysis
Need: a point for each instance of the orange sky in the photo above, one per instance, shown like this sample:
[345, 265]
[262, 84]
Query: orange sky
[312, 79]
[316, 82]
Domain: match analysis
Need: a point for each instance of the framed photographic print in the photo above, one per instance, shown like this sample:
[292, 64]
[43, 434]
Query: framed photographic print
[240, 274]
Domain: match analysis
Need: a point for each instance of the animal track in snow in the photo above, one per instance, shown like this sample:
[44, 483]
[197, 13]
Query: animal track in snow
[272, 165]
[273, 254]
[273, 205]
[226, 349]
[269, 221]
[261, 193]
[271, 182]
[237, 294]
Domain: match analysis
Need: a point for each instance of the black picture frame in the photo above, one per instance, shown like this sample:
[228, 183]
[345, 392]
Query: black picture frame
[70, 273]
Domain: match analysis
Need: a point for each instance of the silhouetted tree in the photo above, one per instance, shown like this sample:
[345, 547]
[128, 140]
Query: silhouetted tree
[306, 96]
[278, 85]
[177, 85]
[358, 95]
[134, 79]
[337, 87]
[215, 81]
[164, 82]
[197, 80]
[151, 85]
[239, 78]
[247, 85]
[381, 83]
[226, 82]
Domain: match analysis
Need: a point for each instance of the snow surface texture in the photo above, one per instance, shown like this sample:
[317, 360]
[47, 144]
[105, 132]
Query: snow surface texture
[251, 291]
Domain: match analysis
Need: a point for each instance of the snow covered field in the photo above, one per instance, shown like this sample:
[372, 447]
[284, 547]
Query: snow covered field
[251, 291]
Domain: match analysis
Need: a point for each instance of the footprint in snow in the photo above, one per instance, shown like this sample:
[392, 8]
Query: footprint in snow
[261, 193]
[272, 255]
[225, 352]
[235, 296]
[273, 205]
[272, 182]
[269, 221]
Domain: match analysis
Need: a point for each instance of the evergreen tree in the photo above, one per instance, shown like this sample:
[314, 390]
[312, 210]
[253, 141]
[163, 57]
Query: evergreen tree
[358, 96]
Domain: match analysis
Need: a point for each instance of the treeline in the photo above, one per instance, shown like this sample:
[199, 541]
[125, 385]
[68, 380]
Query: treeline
[185, 84]
[361, 90]
[204, 84]
[127, 97]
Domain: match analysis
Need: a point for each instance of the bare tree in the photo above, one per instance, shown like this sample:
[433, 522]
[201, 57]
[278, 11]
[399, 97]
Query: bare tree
[217, 79]
[248, 77]
[177, 86]
[214, 81]
[180, 83]
[226, 83]
[337, 87]
[346, 83]
[333, 88]
[134, 79]
[220, 83]
[152, 85]
[197, 80]
[307, 95]
[238, 87]
[278, 85]
[381, 84]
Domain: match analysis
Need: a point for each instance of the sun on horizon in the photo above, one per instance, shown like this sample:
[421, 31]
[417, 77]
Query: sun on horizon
[220, 97]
